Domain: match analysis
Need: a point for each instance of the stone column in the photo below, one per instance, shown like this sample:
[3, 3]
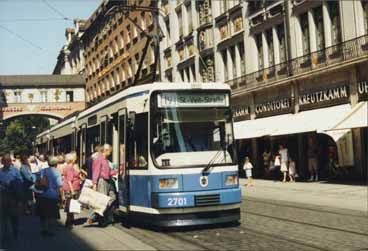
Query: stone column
[353, 86]
[312, 32]
[229, 64]
[326, 25]
[276, 45]
[237, 61]
[265, 51]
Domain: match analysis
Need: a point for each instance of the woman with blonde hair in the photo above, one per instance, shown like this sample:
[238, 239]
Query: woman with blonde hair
[71, 186]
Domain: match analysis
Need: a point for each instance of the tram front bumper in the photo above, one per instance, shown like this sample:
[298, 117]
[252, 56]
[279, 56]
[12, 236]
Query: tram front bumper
[195, 199]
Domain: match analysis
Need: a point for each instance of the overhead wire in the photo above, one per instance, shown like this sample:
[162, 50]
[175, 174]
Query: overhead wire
[21, 37]
[31, 20]
[55, 10]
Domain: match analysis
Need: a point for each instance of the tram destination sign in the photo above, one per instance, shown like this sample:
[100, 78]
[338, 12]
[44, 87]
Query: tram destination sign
[184, 100]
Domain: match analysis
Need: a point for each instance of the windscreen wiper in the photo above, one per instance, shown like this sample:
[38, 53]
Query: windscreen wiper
[211, 162]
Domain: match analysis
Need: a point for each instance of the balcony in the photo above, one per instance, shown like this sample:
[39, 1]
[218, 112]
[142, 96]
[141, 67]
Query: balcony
[344, 52]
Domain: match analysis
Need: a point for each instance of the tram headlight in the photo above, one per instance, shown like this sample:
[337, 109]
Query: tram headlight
[171, 183]
[231, 180]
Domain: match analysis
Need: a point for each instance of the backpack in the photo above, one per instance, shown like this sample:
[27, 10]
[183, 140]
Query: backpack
[42, 183]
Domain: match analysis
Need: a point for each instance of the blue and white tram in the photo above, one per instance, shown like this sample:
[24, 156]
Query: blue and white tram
[175, 148]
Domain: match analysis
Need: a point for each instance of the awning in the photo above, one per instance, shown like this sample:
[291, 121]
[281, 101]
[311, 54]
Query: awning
[314, 120]
[357, 117]
[259, 127]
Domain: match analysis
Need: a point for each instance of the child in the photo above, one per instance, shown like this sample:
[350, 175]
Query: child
[248, 171]
[292, 169]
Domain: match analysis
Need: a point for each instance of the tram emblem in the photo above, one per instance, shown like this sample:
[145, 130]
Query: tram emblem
[203, 181]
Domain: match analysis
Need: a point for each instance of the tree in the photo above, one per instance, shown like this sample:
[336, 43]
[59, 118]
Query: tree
[18, 135]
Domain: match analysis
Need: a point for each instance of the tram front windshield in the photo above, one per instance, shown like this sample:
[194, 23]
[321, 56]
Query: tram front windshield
[184, 137]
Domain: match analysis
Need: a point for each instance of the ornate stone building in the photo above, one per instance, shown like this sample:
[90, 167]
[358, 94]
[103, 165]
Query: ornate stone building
[297, 69]
[71, 59]
[114, 46]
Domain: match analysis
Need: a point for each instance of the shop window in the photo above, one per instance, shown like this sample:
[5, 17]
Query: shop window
[305, 33]
[69, 96]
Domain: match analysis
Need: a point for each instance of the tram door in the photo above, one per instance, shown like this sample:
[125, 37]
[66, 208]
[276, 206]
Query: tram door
[123, 178]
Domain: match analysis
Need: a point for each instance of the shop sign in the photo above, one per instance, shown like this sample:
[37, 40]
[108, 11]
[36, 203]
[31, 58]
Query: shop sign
[363, 90]
[273, 107]
[11, 109]
[241, 113]
[324, 97]
[55, 108]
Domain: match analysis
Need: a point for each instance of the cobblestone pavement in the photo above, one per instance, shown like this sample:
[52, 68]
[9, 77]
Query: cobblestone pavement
[270, 225]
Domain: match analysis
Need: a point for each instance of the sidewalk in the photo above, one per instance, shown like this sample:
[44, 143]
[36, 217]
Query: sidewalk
[349, 197]
[82, 237]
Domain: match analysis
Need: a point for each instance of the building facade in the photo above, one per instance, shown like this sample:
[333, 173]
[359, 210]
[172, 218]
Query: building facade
[114, 44]
[296, 68]
[71, 59]
[54, 96]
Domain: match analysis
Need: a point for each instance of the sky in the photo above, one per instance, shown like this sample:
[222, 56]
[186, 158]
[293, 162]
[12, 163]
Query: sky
[32, 32]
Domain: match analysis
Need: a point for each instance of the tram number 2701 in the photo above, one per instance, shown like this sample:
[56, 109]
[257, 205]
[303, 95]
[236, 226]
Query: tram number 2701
[177, 201]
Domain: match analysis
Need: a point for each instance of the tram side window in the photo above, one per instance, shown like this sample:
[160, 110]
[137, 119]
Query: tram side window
[139, 155]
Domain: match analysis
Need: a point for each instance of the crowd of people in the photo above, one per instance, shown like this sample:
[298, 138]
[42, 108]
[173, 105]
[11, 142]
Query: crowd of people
[280, 163]
[42, 185]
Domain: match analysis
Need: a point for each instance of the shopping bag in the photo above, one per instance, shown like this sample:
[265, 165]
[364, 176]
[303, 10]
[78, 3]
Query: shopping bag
[74, 207]
[95, 200]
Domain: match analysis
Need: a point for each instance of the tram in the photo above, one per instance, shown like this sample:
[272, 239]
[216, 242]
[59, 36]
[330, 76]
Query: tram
[175, 148]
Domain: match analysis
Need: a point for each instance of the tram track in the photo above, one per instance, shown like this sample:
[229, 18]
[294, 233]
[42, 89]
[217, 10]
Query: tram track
[305, 223]
[305, 207]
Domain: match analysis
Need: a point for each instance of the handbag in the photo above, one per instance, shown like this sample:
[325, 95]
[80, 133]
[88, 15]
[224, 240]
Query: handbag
[42, 183]
[74, 206]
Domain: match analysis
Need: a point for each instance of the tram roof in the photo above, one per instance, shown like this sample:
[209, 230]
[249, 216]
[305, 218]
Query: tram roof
[144, 89]
[156, 86]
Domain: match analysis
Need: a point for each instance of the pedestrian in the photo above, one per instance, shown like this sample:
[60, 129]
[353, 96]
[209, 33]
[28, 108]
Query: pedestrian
[16, 162]
[47, 201]
[248, 171]
[42, 162]
[103, 183]
[276, 167]
[71, 186]
[266, 161]
[292, 169]
[89, 161]
[312, 160]
[284, 161]
[10, 193]
[28, 181]
[61, 164]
